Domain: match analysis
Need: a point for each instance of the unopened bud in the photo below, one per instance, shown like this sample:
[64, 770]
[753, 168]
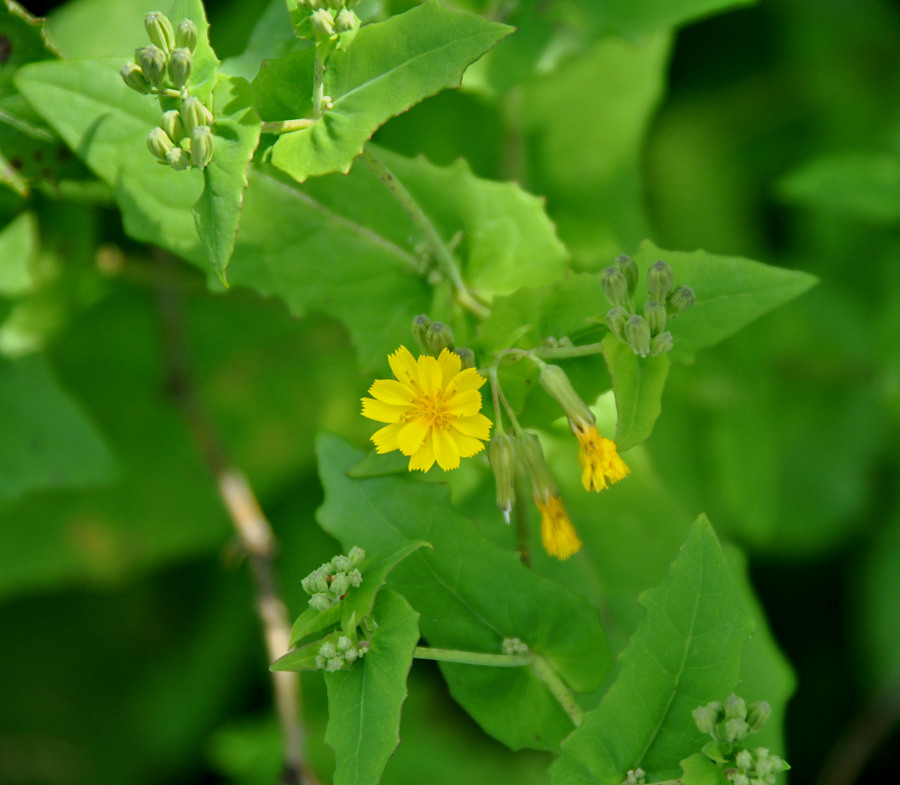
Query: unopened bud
[355, 577]
[466, 357]
[502, 455]
[637, 335]
[735, 708]
[735, 730]
[159, 30]
[615, 319]
[655, 314]
[159, 144]
[356, 555]
[339, 584]
[662, 343]
[194, 114]
[322, 22]
[680, 299]
[186, 35]
[179, 159]
[317, 580]
[341, 563]
[152, 61]
[344, 643]
[659, 280]
[744, 759]
[327, 649]
[181, 61]
[321, 601]
[438, 337]
[629, 269]
[557, 385]
[201, 146]
[758, 714]
[420, 327]
[615, 285]
[346, 21]
[334, 664]
[351, 654]
[172, 125]
[707, 717]
[134, 77]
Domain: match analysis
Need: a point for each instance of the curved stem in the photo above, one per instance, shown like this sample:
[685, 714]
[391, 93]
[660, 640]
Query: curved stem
[473, 657]
[562, 352]
[559, 690]
[441, 252]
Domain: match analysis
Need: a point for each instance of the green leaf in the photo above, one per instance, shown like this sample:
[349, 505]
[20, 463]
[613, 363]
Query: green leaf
[47, 441]
[638, 384]
[312, 621]
[364, 702]
[731, 293]
[470, 595]
[376, 79]
[864, 185]
[700, 770]
[18, 250]
[235, 136]
[686, 652]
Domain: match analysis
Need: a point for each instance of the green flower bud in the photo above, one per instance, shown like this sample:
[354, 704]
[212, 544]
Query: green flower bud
[180, 63]
[201, 146]
[322, 22]
[134, 77]
[662, 343]
[334, 664]
[735, 708]
[530, 453]
[735, 729]
[502, 456]
[320, 662]
[615, 285]
[513, 646]
[346, 21]
[159, 144]
[466, 357]
[637, 335]
[355, 578]
[172, 125]
[744, 759]
[707, 717]
[740, 779]
[615, 319]
[351, 654]
[356, 555]
[152, 61]
[680, 299]
[321, 601]
[420, 327]
[341, 563]
[317, 580]
[758, 714]
[344, 643]
[659, 280]
[630, 271]
[557, 385]
[186, 35]
[194, 114]
[179, 159]
[159, 30]
[438, 336]
[339, 584]
[327, 650]
[655, 314]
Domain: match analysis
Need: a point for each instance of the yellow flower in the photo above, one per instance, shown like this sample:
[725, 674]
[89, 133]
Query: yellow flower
[557, 533]
[433, 410]
[599, 459]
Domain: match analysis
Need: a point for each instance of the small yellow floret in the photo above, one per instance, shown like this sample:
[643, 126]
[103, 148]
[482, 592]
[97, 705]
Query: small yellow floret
[433, 410]
[557, 533]
[598, 457]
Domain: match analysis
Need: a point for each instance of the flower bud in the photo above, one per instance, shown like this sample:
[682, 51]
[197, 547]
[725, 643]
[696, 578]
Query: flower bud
[179, 159]
[344, 643]
[735, 708]
[321, 601]
[735, 730]
[186, 35]
[615, 285]
[530, 453]
[201, 146]
[615, 319]
[334, 664]
[502, 456]
[355, 577]
[659, 280]
[180, 63]
[630, 271]
[351, 654]
[662, 343]
[655, 314]
[159, 30]
[637, 335]
[466, 357]
[420, 327]
[356, 555]
[159, 143]
[194, 114]
[513, 646]
[680, 299]
[339, 584]
[327, 649]
[758, 714]
[341, 563]
[322, 22]
[152, 61]
[744, 759]
[438, 337]
[134, 77]
[172, 125]
[557, 385]
[346, 21]
[707, 717]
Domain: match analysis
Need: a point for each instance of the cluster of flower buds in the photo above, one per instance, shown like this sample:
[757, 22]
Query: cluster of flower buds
[644, 333]
[328, 583]
[728, 724]
[433, 337]
[184, 138]
[513, 646]
[332, 18]
[635, 777]
[340, 653]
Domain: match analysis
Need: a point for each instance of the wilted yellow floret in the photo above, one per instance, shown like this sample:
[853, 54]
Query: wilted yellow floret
[599, 459]
[557, 533]
[433, 408]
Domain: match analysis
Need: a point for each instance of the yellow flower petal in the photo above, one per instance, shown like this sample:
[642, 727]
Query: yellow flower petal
[469, 379]
[476, 425]
[382, 412]
[445, 450]
[385, 439]
[403, 365]
[467, 445]
[450, 365]
[558, 536]
[599, 459]
[423, 459]
[464, 404]
[429, 375]
[410, 438]
[392, 392]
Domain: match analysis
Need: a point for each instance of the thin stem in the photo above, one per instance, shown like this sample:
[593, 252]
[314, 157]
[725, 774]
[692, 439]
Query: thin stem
[441, 252]
[563, 352]
[559, 690]
[523, 536]
[286, 126]
[495, 391]
[318, 85]
[473, 657]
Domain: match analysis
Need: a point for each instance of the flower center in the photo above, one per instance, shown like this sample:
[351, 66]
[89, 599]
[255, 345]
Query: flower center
[432, 409]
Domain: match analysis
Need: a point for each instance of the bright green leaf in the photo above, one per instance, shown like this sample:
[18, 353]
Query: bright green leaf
[18, 249]
[364, 702]
[312, 621]
[686, 652]
[700, 770]
[375, 79]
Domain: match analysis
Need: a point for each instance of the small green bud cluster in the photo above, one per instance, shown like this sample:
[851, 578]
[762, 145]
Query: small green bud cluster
[328, 583]
[635, 777]
[645, 333]
[433, 337]
[728, 724]
[331, 23]
[184, 136]
[340, 653]
[513, 646]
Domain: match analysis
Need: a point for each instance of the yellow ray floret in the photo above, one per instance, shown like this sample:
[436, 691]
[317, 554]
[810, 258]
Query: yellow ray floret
[557, 533]
[599, 459]
[433, 410]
